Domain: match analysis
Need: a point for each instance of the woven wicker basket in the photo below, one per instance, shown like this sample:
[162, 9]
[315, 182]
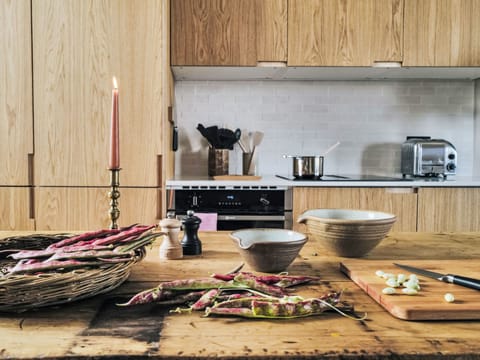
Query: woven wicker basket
[25, 292]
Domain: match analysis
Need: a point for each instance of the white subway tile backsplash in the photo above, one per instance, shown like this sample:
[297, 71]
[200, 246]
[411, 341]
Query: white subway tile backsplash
[370, 118]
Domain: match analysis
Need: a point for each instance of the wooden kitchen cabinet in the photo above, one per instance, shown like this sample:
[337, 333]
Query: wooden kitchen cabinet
[16, 208]
[399, 201]
[228, 33]
[344, 33]
[271, 35]
[78, 47]
[448, 209]
[61, 208]
[213, 32]
[442, 33]
[16, 117]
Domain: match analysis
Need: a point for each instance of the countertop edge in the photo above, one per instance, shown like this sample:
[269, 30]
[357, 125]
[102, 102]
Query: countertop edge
[272, 181]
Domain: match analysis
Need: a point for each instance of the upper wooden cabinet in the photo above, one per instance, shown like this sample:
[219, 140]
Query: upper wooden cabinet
[213, 32]
[271, 37]
[442, 33]
[78, 47]
[344, 32]
[228, 32]
[16, 117]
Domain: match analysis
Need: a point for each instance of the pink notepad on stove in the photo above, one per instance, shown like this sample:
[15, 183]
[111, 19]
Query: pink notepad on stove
[209, 221]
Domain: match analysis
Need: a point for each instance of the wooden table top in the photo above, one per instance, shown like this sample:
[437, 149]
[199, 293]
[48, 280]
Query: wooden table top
[97, 328]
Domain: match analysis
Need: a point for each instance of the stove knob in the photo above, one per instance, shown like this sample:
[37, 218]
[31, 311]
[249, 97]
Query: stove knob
[264, 201]
[195, 201]
[451, 167]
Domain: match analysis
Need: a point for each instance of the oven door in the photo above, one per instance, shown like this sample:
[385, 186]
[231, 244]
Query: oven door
[236, 222]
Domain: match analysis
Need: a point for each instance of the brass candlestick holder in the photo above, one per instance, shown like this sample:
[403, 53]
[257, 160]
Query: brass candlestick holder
[114, 194]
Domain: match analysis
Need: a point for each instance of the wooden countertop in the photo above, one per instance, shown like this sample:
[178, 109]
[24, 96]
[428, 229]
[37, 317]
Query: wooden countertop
[97, 328]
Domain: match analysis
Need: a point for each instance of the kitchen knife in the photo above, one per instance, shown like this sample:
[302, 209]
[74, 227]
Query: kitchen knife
[448, 278]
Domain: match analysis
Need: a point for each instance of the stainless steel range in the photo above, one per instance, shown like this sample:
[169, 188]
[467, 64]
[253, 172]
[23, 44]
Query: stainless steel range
[237, 207]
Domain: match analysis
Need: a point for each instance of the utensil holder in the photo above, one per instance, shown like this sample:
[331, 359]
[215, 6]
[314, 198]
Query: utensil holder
[250, 163]
[217, 161]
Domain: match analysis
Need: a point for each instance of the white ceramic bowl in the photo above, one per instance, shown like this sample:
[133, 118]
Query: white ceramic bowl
[348, 233]
[268, 250]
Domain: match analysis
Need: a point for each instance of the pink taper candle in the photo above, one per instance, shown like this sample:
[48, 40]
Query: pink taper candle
[114, 133]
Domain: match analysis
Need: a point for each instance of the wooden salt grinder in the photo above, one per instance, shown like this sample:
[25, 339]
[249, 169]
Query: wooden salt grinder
[170, 248]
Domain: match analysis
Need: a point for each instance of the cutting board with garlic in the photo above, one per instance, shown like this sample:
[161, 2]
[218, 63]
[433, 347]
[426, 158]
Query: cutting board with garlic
[430, 300]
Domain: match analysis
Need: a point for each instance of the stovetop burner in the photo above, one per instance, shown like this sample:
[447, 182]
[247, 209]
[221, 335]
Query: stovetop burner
[345, 178]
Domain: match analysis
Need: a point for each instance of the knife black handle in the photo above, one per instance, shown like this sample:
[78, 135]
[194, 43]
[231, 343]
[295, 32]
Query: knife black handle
[463, 281]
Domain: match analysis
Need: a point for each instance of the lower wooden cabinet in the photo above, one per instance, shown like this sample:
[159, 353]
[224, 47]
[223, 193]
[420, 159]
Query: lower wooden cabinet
[449, 209]
[422, 209]
[15, 208]
[66, 208]
[399, 201]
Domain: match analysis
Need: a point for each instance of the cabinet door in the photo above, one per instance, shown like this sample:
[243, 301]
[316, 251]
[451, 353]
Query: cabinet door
[344, 32]
[16, 116]
[15, 208]
[213, 32]
[448, 209]
[271, 36]
[442, 33]
[401, 202]
[79, 46]
[60, 208]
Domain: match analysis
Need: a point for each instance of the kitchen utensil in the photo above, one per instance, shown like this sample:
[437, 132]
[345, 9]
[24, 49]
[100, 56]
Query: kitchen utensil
[245, 140]
[250, 163]
[268, 250]
[257, 139]
[242, 146]
[345, 232]
[331, 148]
[307, 167]
[227, 138]
[207, 134]
[429, 304]
[448, 278]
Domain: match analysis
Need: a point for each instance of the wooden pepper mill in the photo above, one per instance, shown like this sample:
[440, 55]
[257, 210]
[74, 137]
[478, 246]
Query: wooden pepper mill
[191, 243]
[170, 248]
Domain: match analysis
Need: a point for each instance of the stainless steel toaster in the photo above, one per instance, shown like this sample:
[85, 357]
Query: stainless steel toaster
[423, 156]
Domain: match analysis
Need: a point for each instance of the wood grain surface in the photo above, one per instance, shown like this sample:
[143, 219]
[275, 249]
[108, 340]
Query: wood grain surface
[213, 32]
[79, 46]
[344, 33]
[16, 115]
[455, 209]
[442, 33]
[58, 208]
[97, 328]
[271, 34]
[429, 304]
[402, 203]
[15, 210]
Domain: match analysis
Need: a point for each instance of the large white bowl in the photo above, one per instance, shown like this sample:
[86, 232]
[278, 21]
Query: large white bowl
[268, 250]
[348, 233]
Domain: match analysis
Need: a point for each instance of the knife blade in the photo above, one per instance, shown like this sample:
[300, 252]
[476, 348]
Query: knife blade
[448, 278]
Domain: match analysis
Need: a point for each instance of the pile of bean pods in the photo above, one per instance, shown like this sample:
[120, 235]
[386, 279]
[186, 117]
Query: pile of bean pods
[242, 294]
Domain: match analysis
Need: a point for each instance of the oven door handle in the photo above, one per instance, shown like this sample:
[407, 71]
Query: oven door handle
[251, 218]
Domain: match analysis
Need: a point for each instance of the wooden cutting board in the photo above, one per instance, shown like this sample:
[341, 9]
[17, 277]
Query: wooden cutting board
[429, 304]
